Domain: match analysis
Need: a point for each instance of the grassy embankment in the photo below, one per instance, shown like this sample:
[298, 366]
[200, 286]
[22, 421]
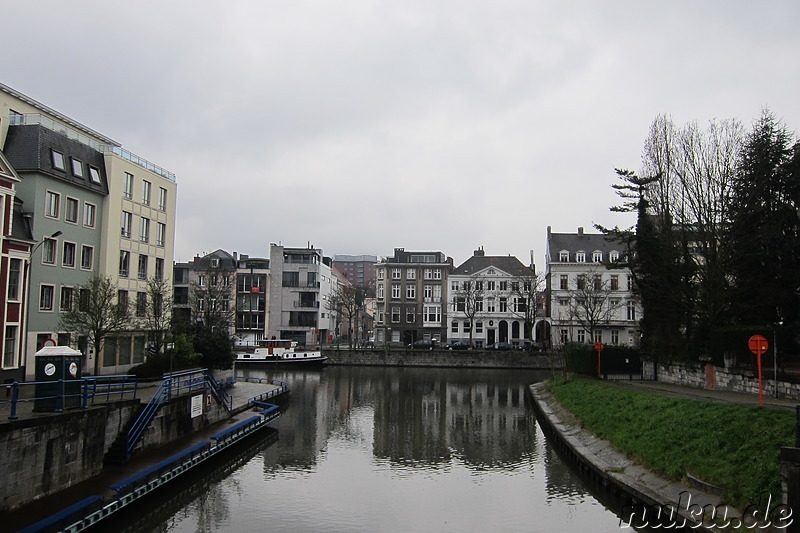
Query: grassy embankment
[735, 447]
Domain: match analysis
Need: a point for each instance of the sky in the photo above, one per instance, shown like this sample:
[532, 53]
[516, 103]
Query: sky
[363, 126]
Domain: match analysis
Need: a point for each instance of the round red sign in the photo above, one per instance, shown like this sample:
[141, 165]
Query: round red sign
[598, 346]
[758, 344]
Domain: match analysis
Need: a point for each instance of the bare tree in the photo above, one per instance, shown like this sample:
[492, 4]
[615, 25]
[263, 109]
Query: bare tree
[347, 301]
[157, 319]
[99, 314]
[211, 299]
[591, 304]
[468, 299]
[525, 290]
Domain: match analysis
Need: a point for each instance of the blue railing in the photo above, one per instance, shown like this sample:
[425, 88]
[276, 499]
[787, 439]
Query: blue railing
[137, 429]
[55, 396]
[219, 392]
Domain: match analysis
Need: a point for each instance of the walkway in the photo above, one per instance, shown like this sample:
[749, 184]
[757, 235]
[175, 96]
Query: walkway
[649, 490]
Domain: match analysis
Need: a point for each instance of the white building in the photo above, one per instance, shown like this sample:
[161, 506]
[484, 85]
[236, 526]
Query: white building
[589, 299]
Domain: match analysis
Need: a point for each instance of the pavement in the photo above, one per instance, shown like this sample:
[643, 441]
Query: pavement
[688, 500]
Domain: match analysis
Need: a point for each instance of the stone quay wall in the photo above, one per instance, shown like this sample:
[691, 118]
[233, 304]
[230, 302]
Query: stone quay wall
[444, 358]
[44, 454]
[710, 376]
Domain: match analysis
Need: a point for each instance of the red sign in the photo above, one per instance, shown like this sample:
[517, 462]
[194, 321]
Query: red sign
[758, 344]
[598, 346]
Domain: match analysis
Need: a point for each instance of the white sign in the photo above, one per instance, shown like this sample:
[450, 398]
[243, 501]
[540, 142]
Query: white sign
[49, 369]
[73, 370]
[197, 405]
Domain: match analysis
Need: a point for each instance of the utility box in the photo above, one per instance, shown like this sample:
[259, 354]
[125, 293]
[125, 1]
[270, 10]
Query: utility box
[54, 363]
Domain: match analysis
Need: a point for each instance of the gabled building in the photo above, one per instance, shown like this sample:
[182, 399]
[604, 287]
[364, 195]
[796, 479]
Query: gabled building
[590, 295]
[411, 297]
[492, 297]
[97, 210]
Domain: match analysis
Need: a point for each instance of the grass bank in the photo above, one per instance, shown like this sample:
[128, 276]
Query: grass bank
[735, 447]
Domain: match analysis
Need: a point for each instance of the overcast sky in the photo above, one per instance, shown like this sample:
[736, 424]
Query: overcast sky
[361, 126]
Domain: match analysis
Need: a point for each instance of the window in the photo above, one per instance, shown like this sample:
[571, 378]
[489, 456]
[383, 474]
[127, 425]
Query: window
[46, 297]
[581, 282]
[123, 302]
[77, 167]
[411, 273]
[564, 282]
[614, 336]
[51, 204]
[71, 210]
[124, 263]
[381, 274]
[127, 223]
[597, 257]
[479, 306]
[146, 188]
[68, 255]
[454, 326]
[142, 266]
[89, 214]
[564, 336]
[630, 283]
[563, 302]
[563, 256]
[144, 230]
[87, 257]
[141, 303]
[395, 290]
[67, 295]
[94, 175]
[479, 328]
[614, 282]
[83, 299]
[631, 310]
[432, 313]
[380, 292]
[411, 315]
[159, 269]
[613, 256]
[598, 335]
[490, 285]
[598, 282]
[503, 305]
[395, 314]
[503, 285]
[395, 273]
[14, 276]
[162, 199]
[215, 262]
[437, 273]
[161, 232]
[49, 252]
[478, 285]
[10, 346]
[453, 286]
[127, 191]
[580, 257]
[437, 293]
[581, 335]
[411, 292]
[58, 160]
[490, 305]
[287, 282]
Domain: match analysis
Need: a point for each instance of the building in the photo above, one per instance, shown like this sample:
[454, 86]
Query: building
[589, 298]
[492, 299]
[301, 280]
[15, 252]
[358, 269]
[97, 210]
[411, 296]
[252, 300]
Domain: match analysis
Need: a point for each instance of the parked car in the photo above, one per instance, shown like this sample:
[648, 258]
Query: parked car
[500, 346]
[458, 345]
[423, 344]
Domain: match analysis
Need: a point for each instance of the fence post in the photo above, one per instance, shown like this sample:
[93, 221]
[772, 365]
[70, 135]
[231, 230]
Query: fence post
[60, 396]
[14, 398]
[85, 388]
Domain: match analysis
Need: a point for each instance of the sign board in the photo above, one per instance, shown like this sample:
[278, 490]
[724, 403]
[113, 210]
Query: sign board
[197, 405]
[758, 344]
[598, 346]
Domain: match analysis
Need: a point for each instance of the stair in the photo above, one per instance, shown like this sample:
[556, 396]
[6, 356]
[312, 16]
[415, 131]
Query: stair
[118, 451]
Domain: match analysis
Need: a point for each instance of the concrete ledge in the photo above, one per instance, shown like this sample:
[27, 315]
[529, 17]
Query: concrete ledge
[635, 485]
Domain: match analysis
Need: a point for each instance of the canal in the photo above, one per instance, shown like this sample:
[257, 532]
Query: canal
[392, 450]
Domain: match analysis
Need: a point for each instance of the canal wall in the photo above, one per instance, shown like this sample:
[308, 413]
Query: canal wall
[48, 453]
[646, 497]
[444, 358]
[710, 376]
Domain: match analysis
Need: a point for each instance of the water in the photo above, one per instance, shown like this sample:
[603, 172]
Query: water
[388, 450]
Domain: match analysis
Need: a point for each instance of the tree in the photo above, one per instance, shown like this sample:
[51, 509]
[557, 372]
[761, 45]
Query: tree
[765, 228]
[590, 304]
[526, 289]
[210, 299]
[347, 301]
[468, 299]
[99, 314]
[214, 345]
[157, 319]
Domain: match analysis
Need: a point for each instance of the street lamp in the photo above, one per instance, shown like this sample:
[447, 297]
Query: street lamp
[27, 309]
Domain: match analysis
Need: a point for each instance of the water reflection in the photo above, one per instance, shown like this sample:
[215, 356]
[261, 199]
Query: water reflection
[388, 449]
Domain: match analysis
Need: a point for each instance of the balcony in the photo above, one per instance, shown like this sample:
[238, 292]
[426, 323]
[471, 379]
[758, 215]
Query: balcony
[306, 305]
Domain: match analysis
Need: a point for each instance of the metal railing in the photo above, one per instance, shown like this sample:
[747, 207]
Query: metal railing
[55, 396]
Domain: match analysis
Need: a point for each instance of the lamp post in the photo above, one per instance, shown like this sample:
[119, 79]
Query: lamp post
[27, 310]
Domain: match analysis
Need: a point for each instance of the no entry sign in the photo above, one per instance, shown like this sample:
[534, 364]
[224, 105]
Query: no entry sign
[758, 344]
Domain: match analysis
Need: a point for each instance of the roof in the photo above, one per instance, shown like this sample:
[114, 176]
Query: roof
[581, 242]
[507, 263]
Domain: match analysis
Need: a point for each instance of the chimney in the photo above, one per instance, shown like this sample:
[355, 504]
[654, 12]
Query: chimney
[479, 252]
[580, 230]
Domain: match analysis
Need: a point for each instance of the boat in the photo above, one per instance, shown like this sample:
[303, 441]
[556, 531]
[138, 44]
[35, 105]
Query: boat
[281, 352]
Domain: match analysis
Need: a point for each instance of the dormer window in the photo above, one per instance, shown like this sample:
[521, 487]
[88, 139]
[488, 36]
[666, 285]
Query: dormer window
[580, 257]
[563, 256]
[613, 256]
[58, 159]
[214, 262]
[77, 168]
[597, 257]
